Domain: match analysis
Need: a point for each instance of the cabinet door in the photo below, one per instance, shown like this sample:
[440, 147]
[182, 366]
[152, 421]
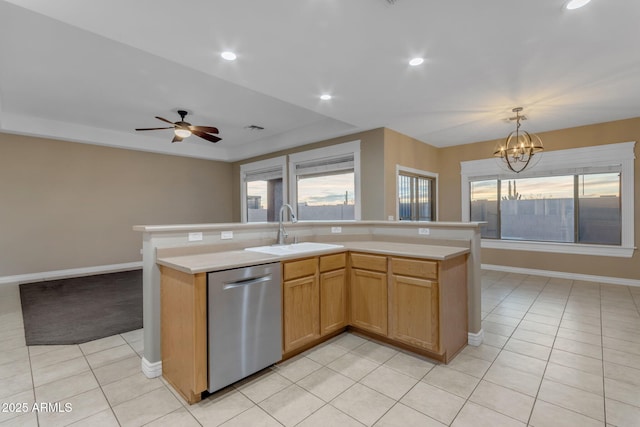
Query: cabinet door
[369, 300]
[300, 312]
[414, 312]
[333, 301]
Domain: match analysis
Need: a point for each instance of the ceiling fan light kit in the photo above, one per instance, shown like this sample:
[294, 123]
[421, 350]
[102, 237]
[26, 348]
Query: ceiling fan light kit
[183, 129]
[182, 133]
[576, 4]
[519, 148]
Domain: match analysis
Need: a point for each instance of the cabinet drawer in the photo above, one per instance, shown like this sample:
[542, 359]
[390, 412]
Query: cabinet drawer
[369, 262]
[414, 268]
[302, 268]
[332, 262]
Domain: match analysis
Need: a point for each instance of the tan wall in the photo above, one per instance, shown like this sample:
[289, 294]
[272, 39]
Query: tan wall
[404, 151]
[584, 136]
[68, 205]
[372, 164]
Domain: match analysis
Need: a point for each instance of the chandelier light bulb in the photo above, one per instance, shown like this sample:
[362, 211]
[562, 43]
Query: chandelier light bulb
[519, 148]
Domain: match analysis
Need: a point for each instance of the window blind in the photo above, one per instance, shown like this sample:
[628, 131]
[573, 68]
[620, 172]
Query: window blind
[326, 165]
[263, 175]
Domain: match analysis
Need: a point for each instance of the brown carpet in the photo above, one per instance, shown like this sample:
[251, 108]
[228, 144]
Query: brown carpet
[73, 311]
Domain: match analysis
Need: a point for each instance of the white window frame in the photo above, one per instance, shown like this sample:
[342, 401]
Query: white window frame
[257, 167]
[419, 172]
[339, 150]
[601, 158]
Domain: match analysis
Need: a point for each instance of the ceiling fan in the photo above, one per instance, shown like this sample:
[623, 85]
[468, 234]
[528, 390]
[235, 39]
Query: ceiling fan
[182, 129]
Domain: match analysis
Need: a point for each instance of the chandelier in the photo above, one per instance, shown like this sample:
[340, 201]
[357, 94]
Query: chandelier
[518, 149]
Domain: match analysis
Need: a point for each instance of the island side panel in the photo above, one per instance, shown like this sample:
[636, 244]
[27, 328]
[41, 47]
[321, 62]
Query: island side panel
[453, 306]
[474, 290]
[151, 360]
[184, 332]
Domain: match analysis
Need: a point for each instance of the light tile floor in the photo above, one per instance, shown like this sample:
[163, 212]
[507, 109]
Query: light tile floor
[556, 353]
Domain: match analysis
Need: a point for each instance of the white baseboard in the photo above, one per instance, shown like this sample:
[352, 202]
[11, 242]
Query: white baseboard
[475, 339]
[151, 369]
[72, 272]
[563, 275]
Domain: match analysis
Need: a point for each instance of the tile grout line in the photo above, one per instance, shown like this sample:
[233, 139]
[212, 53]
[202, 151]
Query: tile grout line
[100, 387]
[255, 404]
[552, 347]
[491, 364]
[603, 361]
[604, 388]
[296, 383]
[501, 350]
[548, 359]
[397, 401]
[33, 384]
[349, 351]
[540, 294]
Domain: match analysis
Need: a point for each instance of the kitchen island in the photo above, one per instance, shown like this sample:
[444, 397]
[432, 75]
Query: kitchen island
[199, 248]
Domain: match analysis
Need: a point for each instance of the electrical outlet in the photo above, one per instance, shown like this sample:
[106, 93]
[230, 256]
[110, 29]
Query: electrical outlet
[195, 237]
[424, 231]
[226, 235]
[390, 217]
[336, 229]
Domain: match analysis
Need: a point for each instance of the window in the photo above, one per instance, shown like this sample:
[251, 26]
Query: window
[416, 195]
[599, 209]
[569, 208]
[484, 206]
[325, 183]
[263, 189]
[326, 197]
[586, 208]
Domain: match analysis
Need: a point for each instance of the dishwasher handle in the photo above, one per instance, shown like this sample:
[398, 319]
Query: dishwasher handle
[246, 282]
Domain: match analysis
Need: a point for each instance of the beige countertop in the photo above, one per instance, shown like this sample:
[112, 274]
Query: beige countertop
[274, 225]
[215, 261]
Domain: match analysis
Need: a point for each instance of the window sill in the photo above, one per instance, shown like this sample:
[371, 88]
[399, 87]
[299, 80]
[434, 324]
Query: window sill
[564, 248]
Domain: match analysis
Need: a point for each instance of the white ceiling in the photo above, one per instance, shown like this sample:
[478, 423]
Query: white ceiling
[93, 71]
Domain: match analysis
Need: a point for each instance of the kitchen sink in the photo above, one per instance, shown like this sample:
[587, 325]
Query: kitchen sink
[294, 248]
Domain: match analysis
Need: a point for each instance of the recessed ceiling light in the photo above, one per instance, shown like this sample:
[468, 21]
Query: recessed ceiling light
[228, 55]
[576, 4]
[325, 97]
[416, 61]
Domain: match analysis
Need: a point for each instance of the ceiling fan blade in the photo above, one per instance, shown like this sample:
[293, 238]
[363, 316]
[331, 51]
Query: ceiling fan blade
[176, 138]
[165, 120]
[154, 128]
[208, 129]
[210, 138]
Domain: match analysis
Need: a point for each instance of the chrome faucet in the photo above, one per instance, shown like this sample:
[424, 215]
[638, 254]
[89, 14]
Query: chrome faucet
[282, 233]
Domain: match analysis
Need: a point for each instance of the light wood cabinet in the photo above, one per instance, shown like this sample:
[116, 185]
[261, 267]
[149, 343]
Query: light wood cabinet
[301, 309]
[414, 268]
[428, 304]
[368, 292]
[369, 262]
[413, 312]
[333, 293]
[417, 304]
[183, 330]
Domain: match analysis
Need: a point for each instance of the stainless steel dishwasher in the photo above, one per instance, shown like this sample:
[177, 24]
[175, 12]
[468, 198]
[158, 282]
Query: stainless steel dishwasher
[245, 322]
